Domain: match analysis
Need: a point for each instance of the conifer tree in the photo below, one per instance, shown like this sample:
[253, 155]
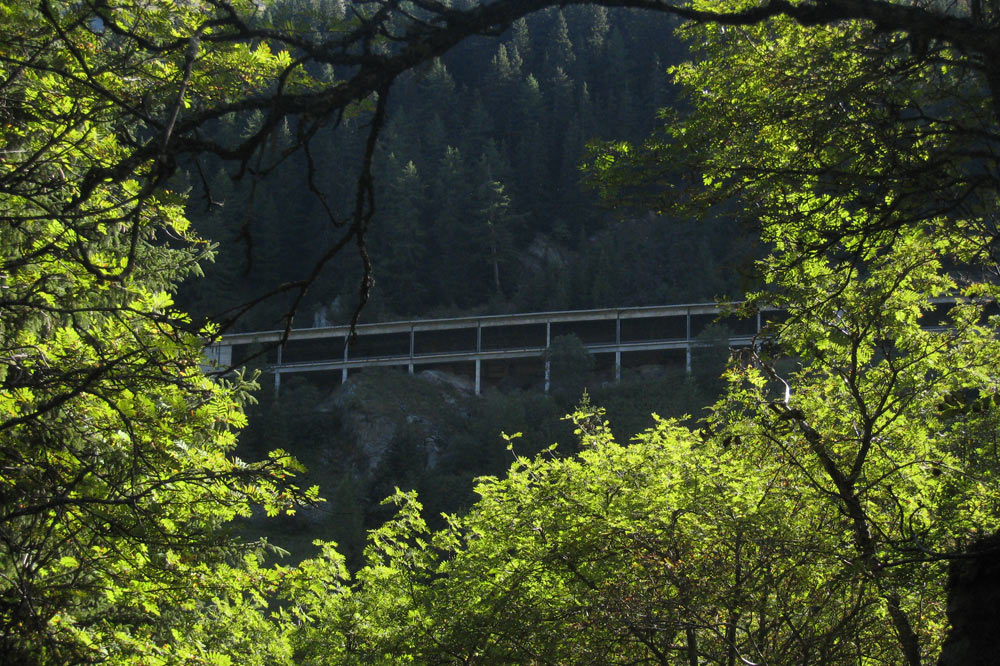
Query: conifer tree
[522, 39]
[559, 50]
[399, 240]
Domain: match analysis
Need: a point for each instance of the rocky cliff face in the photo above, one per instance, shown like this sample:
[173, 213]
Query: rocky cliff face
[974, 607]
[378, 405]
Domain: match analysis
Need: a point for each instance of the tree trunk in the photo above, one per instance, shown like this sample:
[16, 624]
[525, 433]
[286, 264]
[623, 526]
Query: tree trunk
[692, 646]
[974, 607]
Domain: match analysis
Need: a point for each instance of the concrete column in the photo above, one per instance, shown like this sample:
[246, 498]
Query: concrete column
[277, 373]
[618, 344]
[411, 351]
[687, 347]
[343, 371]
[548, 364]
[479, 363]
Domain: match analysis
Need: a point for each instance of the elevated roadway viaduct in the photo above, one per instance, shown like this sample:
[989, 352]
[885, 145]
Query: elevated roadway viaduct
[495, 348]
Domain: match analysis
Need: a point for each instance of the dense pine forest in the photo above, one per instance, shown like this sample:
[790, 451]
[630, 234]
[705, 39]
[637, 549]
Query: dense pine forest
[482, 207]
[828, 495]
[482, 203]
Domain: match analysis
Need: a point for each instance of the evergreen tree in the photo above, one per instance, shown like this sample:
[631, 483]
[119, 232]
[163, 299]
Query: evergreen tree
[530, 147]
[451, 201]
[506, 68]
[434, 140]
[597, 30]
[494, 213]
[559, 47]
[223, 285]
[436, 91]
[659, 86]
[501, 86]
[522, 39]
[617, 84]
[478, 131]
[399, 241]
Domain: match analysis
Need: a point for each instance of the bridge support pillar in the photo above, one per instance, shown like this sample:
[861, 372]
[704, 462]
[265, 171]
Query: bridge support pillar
[548, 363]
[618, 343]
[343, 371]
[277, 373]
[687, 347]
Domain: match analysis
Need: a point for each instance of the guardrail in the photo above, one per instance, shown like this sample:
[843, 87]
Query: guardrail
[489, 338]
[481, 339]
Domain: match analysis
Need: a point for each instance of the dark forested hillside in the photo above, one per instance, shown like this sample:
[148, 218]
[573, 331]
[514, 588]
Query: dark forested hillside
[479, 201]
[480, 207]
[846, 476]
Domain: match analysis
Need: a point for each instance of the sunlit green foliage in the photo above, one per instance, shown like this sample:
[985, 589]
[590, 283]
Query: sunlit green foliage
[811, 519]
[852, 455]
[859, 155]
[659, 550]
[116, 466]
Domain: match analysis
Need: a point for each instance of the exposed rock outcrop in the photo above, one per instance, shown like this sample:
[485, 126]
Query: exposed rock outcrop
[377, 406]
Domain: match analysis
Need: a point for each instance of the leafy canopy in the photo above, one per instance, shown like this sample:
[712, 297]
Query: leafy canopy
[843, 467]
[851, 456]
[115, 448]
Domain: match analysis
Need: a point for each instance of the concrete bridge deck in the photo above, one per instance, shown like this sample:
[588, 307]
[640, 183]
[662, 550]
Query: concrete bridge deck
[468, 345]
[473, 342]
